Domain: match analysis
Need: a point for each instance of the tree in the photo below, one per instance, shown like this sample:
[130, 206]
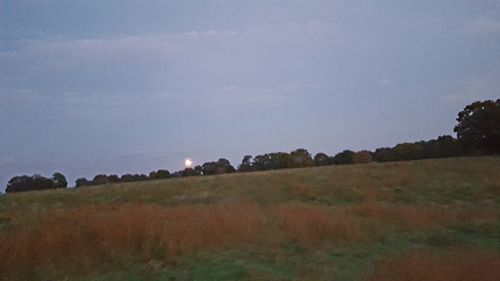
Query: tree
[59, 180]
[81, 182]
[162, 174]
[198, 169]
[407, 151]
[384, 154]
[124, 178]
[189, 172]
[246, 164]
[153, 175]
[344, 157]
[279, 160]
[478, 126]
[300, 158]
[18, 184]
[209, 168]
[100, 179]
[363, 156]
[261, 162]
[27, 183]
[321, 159]
[113, 179]
[222, 166]
[443, 146]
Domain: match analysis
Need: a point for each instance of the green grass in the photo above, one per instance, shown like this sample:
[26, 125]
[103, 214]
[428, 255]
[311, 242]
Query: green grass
[466, 184]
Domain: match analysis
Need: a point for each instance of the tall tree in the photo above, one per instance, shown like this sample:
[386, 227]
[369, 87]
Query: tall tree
[162, 174]
[321, 159]
[300, 158]
[478, 126]
[222, 166]
[27, 183]
[261, 162]
[81, 182]
[344, 157]
[246, 164]
[363, 156]
[59, 180]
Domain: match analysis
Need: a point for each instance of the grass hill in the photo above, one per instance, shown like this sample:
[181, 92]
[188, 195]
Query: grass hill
[419, 220]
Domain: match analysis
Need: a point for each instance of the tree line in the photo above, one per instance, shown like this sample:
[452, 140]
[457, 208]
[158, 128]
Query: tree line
[478, 133]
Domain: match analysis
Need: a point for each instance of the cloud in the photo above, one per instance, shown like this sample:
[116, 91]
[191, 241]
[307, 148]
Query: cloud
[160, 68]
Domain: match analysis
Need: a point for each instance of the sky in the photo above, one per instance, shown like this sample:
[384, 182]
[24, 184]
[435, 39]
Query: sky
[115, 87]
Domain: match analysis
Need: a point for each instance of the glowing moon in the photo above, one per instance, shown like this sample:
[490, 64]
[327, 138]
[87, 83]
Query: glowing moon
[188, 163]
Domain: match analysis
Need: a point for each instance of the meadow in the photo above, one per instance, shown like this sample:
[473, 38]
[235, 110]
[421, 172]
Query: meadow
[429, 220]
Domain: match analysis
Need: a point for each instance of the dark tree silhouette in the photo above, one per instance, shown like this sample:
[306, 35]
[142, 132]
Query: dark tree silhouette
[321, 159]
[222, 166]
[261, 162]
[246, 164]
[59, 180]
[363, 156]
[344, 157]
[163, 174]
[478, 126]
[35, 182]
[81, 182]
[300, 158]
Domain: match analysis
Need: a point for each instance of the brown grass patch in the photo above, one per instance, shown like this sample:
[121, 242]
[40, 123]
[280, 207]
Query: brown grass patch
[457, 265]
[414, 218]
[315, 224]
[85, 237]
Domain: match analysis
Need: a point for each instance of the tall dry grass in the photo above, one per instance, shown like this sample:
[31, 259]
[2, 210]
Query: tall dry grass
[457, 265]
[414, 218]
[312, 225]
[85, 237]
[315, 224]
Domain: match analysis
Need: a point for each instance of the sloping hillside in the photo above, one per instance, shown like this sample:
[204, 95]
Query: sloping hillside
[356, 222]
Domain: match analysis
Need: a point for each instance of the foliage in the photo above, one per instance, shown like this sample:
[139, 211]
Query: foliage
[59, 180]
[82, 182]
[222, 166]
[362, 157]
[479, 126]
[344, 157]
[321, 159]
[189, 172]
[300, 158]
[246, 164]
[35, 182]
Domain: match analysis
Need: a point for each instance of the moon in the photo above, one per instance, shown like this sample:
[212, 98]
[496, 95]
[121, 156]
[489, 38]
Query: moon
[188, 163]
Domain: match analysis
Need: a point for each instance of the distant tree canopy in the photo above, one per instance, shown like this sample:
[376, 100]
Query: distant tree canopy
[363, 156]
[479, 126]
[109, 179]
[222, 166]
[81, 182]
[246, 164]
[478, 132]
[36, 182]
[59, 180]
[276, 160]
[321, 159]
[300, 158]
[344, 157]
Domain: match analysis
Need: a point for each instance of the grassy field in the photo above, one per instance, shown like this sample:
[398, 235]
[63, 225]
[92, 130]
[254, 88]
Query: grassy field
[421, 220]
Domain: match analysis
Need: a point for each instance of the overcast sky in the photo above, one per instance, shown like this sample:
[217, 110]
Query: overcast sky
[118, 87]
